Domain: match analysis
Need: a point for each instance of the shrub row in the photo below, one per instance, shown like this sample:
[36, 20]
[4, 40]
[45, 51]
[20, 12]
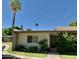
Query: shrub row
[43, 47]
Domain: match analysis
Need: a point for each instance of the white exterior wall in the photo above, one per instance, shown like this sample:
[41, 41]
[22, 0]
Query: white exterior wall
[22, 38]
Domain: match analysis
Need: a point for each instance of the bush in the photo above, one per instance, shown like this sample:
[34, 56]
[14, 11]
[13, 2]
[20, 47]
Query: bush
[20, 48]
[29, 49]
[33, 49]
[66, 42]
[44, 45]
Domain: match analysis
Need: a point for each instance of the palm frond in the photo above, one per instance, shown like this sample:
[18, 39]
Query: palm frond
[15, 5]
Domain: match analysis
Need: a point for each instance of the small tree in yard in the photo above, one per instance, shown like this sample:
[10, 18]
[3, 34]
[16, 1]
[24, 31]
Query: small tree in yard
[44, 45]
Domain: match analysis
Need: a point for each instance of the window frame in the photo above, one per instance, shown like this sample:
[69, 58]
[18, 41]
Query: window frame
[33, 39]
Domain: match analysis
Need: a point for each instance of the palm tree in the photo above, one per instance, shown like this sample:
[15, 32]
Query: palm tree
[15, 6]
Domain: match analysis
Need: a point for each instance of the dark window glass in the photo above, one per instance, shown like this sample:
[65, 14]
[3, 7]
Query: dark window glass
[29, 39]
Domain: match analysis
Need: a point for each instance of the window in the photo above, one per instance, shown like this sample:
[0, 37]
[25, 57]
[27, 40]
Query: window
[29, 39]
[32, 39]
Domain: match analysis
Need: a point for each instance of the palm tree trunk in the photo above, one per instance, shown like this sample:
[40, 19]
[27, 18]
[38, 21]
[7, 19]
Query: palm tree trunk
[13, 40]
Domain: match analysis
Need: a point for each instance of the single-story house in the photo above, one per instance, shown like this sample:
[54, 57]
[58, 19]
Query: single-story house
[31, 38]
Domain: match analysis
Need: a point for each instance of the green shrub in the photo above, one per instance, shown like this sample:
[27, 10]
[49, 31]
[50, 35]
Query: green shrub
[66, 42]
[20, 48]
[44, 45]
[33, 49]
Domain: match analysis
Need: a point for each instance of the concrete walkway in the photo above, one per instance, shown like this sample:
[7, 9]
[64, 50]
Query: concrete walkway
[54, 55]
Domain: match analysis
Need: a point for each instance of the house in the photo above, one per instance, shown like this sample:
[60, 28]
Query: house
[31, 38]
[6, 38]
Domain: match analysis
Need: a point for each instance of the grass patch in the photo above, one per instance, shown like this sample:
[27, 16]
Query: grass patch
[68, 57]
[39, 55]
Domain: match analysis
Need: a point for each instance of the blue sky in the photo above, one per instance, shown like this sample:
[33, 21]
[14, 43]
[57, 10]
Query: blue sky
[49, 14]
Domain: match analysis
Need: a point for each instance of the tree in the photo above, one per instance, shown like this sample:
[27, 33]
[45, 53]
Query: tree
[8, 31]
[66, 42]
[3, 33]
[73, 23]
[17, 27]
[15, 5]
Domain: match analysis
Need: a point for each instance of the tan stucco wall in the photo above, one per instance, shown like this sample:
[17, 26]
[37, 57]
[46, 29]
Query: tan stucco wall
[22, 38]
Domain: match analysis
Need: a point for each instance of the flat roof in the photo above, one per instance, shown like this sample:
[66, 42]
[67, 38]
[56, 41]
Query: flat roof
[45, 31]
[60, 29]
